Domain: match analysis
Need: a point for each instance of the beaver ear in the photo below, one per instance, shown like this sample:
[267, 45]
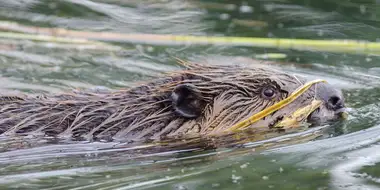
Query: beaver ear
[187, 101]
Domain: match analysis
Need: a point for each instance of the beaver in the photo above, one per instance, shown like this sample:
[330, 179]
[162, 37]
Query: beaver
[198, 100]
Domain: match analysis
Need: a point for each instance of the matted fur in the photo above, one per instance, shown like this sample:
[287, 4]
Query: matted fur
[232, 93]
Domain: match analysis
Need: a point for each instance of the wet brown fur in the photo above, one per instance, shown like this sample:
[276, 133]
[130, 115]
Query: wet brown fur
[230, 93]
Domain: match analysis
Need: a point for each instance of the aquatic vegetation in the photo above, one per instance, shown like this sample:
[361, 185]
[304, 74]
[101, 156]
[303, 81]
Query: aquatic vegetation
[59, 34]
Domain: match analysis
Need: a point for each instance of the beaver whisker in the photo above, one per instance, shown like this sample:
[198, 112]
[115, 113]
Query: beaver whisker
[297, 79]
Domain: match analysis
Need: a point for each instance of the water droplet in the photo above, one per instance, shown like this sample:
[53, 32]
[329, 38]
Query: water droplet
[215, 185]
[230, 7]
[265, 177]
[244, 165]
[52, 5]
[246, 9]
[150, 49]
[224, 16]
[181, 187]
[320, 33]
[235, 178]
[363, 9]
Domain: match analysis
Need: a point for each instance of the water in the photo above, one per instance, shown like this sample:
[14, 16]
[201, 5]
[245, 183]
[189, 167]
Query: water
[347, 158]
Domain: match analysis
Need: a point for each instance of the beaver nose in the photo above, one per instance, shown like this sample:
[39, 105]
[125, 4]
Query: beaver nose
[335, 102]
[332, 97]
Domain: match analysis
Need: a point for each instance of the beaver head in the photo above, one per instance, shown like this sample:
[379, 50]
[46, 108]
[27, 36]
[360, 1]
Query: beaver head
[199, 100]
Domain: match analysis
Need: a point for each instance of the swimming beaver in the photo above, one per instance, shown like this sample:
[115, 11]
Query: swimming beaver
[199, 100]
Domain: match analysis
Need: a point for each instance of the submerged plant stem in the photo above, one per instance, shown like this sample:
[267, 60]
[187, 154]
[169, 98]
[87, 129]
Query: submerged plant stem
[340, 46]
[62, 40]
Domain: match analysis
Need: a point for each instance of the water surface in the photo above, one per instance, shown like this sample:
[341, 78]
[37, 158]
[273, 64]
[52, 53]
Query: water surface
[345, 158]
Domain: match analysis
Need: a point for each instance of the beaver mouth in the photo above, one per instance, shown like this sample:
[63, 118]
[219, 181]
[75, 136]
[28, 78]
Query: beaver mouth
[309, 115]
[315, 119]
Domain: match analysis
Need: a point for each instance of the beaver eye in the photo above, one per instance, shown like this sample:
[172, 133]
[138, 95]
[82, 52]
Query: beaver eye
[268, 92]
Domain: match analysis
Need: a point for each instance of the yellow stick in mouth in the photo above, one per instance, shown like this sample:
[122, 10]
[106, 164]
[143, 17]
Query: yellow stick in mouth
[294, 119]
[254, 118]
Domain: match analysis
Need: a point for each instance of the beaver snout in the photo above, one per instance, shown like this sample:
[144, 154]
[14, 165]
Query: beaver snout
[333, 108]
[332, 97]
[335, 102]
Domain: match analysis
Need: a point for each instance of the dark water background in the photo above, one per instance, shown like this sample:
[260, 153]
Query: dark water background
[347, 159]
